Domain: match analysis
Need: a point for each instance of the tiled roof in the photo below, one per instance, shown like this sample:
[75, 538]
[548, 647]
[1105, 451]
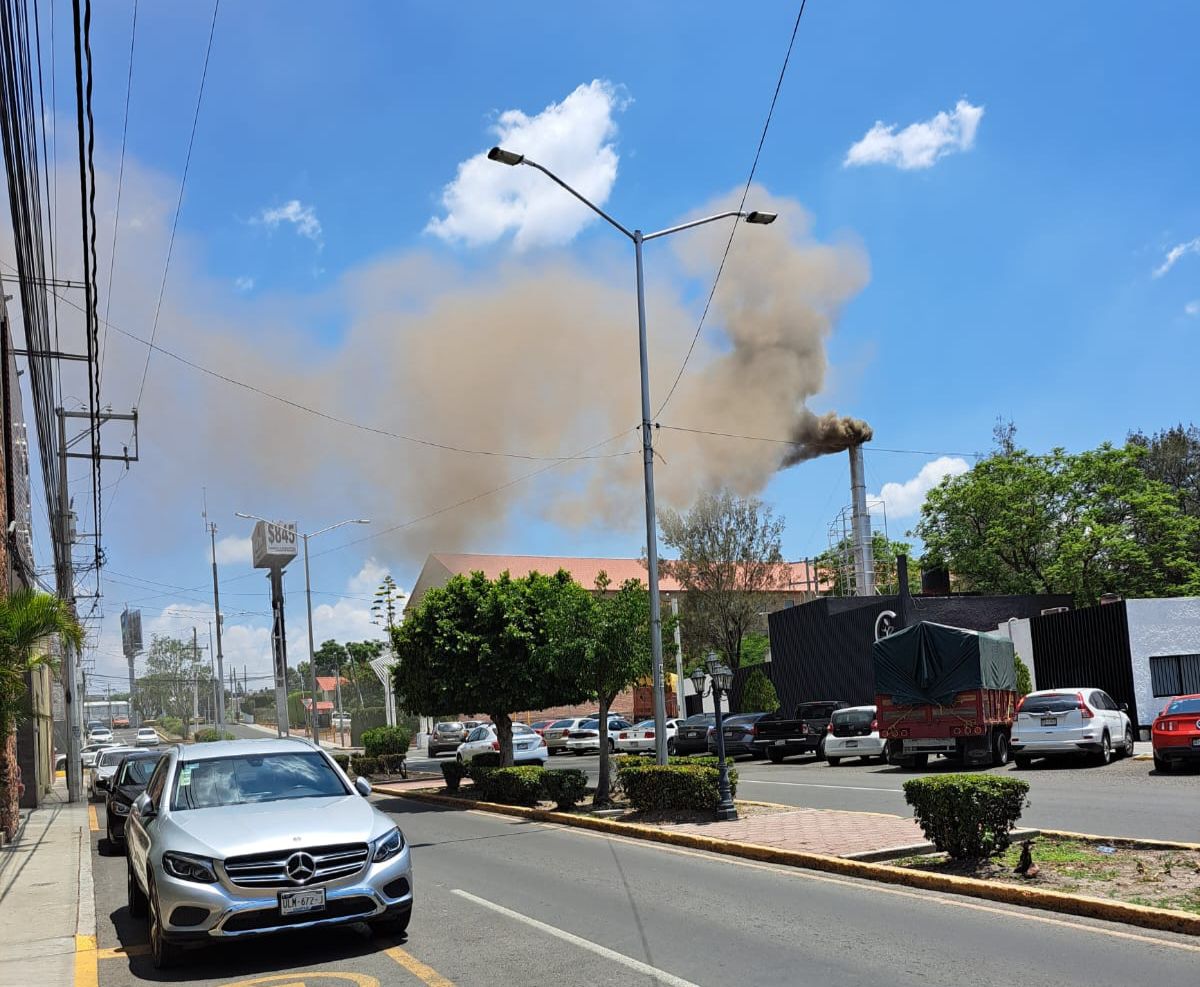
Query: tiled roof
[328, 683]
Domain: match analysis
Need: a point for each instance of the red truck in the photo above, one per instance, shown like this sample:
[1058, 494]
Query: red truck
[945, 690]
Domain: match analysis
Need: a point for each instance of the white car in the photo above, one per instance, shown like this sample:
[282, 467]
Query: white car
[100, 735]
[146, 737]
[528, 747]
[1055, 722]
[107, 762]
[585, 738]
[854, 732]
[89, 754]
[639, 738]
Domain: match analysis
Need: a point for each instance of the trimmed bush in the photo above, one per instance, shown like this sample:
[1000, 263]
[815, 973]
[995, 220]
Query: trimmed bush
[392, 764]
[968, 816]
[514, 786]
[564, 788]
[453, 772]
[342, 761]
[208, 735]
[672, 786]
[385, 740]
[362, 765]
[639, 760]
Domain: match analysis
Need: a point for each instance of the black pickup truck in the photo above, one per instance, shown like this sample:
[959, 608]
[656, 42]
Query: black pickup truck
[803, 734]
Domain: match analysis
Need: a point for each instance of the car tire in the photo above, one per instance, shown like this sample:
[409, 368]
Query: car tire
[393, 925]
[671, 746]
[612, 746]
[834, 761]
[821, 749]
[1162, 765]
[1128, 749]
[135, 897]
[163, 954]
[775, 757]
[1105, 755]
[1000, 751]
[1023, 762]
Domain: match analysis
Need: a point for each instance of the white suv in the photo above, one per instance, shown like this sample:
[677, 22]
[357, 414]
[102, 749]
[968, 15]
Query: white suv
[1071, 721]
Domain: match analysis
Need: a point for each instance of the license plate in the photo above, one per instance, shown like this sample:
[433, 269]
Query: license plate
[1196, 741]
[780, 743]
[298, 902]
[851, 743]
[1049, 721]
[522, 747]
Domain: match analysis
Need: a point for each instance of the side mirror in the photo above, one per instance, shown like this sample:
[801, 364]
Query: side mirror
[362, 786]
[1124, 707]
[102, 783]
[143, 805]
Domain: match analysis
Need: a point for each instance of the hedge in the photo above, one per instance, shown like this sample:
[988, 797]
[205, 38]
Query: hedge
[209, 734]
[387, 764]
[453, 772]
[639, 760]
[342, 761]
[672, 786]
[968, 816]
[513, 786]
[385, 740]
[564, 788]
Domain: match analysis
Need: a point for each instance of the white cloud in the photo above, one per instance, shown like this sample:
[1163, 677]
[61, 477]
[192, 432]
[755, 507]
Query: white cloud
[574, 138]
[918, 145]
[232, 550]
[302, 217]
[1175, 253]
[244, 283]
[367, 579]
[1192, 308]
[905, 499]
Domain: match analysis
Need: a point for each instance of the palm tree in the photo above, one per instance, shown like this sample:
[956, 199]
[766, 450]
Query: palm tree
[27, 618]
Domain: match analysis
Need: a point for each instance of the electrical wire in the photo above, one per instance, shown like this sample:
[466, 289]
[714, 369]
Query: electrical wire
[741, 206]
[791, 442]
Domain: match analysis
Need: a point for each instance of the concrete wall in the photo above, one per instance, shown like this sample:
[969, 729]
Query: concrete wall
[1159, 627]
[1019, 633]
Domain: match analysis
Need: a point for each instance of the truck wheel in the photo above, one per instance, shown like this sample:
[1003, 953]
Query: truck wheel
[999, 749]
[834, 761]
[775, 756]
[920, 761]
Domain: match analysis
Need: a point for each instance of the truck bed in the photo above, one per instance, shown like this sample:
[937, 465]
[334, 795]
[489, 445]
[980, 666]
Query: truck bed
[970, 714]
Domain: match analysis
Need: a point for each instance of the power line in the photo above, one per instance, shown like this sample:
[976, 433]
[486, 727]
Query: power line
[741, 206]
[793, 443]
[179, 203]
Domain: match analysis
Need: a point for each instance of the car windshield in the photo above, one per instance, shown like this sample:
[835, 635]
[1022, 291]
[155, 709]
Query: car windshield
[111, 758]
[814, 711]
[561, 724]
[239, 780]
[853, 717]
[520, 728]
[146, 732]
[137, 771]
[1060, 702]
[699, 719]
[646, 725]
[449, 727]
[1184, 706]
[742, 718]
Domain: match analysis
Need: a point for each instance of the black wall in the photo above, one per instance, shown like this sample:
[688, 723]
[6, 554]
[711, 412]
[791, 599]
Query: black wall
[1085, 648]
[822, 649]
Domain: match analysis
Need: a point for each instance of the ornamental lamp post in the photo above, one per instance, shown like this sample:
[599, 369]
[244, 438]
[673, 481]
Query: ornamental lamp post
[722, 682]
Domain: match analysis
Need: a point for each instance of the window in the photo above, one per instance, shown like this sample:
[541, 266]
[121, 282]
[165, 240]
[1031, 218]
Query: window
[853, 718]
[1110, 703]
[1184, 706]
[255, 778]
[1055, 702]
[1101, 701]
[1174, 675]
[158, 780]
[137, 771]
[561, 724]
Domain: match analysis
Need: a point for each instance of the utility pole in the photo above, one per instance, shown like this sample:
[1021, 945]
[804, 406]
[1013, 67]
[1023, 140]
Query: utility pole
[680, 709]
[195, 681]
[341, 715]
[66, 589]
[212, 530]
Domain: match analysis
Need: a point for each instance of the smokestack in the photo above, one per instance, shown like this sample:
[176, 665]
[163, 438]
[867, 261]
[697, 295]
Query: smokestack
[864, 553]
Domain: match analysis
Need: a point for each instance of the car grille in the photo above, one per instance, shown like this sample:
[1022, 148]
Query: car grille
[269, 918]
[267, 870]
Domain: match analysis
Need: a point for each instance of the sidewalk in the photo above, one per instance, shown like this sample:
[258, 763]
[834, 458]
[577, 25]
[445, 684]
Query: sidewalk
[46, 895]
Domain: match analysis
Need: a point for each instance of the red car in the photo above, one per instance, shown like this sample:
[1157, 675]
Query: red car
[1176, 734]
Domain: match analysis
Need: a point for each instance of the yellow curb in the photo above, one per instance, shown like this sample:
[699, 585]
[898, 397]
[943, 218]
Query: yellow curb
[1161, 919]
[87, 973]
[1129, 841]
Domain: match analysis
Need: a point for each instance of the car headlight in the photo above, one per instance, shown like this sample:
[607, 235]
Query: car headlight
[120, 808]
[189, 868]
[388, 845]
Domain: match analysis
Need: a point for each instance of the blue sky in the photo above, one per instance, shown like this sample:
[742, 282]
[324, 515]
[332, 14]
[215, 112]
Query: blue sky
[1011, 269]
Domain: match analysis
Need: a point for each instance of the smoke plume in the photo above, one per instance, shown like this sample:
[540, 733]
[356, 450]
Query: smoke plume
[818, 435]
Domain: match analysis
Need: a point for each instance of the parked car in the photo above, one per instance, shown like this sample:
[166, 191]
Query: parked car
[249, 837]
[691, 736]
[585, 738]
[528, 747]
[1057, 722]
[854, 732]
[126, 785]
[107, 762]
[1176, 733]
[340, 720]
[802, 733]
[556, 734]
[740, 731]
[537, 726]
[87, 756]
[100, 735]
[146, 737]
[640, 738]
[445, 737]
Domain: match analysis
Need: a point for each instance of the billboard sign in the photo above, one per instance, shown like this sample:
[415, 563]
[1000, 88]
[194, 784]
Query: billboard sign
[273, 544]
[131, 632]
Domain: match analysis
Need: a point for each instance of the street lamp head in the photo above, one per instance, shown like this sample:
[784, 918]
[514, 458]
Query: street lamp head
[697, 678]
[761, 218]
[723, 678]
[505, 157]
[363, 520]
[712, 663]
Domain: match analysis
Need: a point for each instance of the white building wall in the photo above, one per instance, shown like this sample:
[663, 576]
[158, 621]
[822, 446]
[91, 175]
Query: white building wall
[1019, 633]
[1159, 627]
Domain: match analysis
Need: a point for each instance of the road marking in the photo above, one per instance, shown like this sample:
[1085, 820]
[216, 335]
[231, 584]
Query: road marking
[120, 952]
[426, 974]
[86, 972]
[285, 979]
[93, 821]
[810, 784]
[933, 897]
[637, 966]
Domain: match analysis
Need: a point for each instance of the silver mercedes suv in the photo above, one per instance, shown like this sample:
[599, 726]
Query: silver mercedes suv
[245, 837]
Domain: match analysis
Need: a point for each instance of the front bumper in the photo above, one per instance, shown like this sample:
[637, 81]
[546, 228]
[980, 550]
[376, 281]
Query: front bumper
[206, 912]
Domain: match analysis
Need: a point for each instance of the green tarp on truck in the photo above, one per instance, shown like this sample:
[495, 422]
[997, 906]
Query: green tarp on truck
[928, 664]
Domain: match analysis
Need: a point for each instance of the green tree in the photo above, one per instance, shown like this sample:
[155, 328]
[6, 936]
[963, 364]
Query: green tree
[171, 670]
[329, 657]
[758, 694]
[1024, 679]
[836, 563]
[498, 646]
[1172, 456]
[729, 556]
[1081, 524]
[619, 655]
[754, 648]
[27, 619]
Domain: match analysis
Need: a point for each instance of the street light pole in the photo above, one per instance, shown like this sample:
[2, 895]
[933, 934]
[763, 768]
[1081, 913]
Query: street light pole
[513, 159]
[312, 660]
[722, 680]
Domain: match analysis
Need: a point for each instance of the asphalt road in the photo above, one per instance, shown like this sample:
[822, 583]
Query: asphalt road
[506, 901]
[1124, 798]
